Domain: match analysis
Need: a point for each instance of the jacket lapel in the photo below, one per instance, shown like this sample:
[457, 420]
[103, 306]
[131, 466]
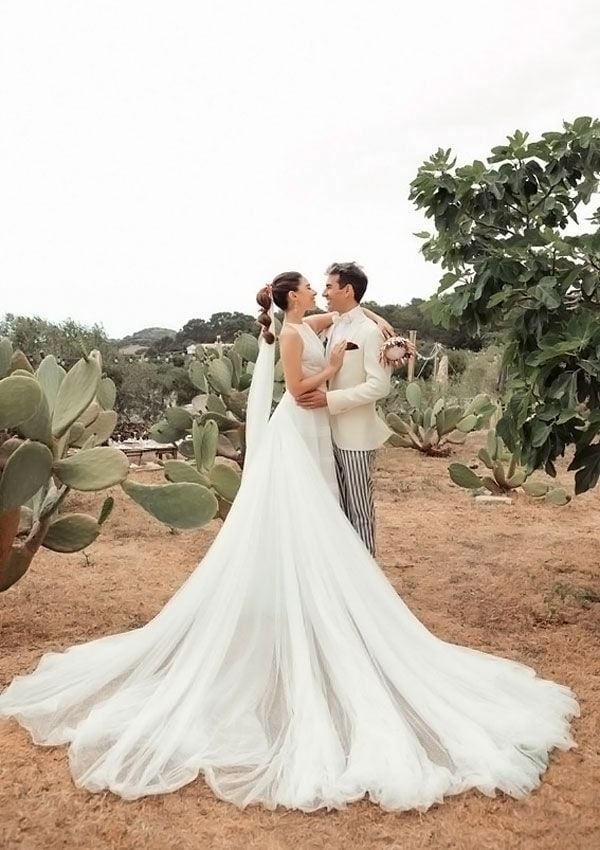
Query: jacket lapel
[354, 323]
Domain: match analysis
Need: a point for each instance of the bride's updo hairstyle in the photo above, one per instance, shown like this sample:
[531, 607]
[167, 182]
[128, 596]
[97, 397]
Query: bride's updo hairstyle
[276, 292]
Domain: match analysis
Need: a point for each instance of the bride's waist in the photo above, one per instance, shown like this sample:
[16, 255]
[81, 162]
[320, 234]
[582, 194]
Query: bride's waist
[289, 402]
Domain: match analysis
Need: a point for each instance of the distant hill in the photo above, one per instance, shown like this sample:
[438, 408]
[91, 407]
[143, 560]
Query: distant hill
[146, 337]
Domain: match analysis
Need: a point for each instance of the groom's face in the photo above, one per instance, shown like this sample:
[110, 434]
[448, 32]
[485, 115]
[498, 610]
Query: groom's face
[339, 297]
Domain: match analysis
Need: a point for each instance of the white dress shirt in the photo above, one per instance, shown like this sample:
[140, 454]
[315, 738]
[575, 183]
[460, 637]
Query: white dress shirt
[341, 326]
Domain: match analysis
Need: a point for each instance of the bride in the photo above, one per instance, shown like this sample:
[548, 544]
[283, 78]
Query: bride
[286, 669]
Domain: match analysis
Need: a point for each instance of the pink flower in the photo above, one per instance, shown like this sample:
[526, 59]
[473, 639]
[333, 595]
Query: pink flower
[396, 351]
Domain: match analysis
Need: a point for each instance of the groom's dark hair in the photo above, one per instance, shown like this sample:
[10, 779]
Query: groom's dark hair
[350, 274]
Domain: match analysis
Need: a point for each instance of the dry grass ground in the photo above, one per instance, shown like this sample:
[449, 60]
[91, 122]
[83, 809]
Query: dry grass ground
[513, 580]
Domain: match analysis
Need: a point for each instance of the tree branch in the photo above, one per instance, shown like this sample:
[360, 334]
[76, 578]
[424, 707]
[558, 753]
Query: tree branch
[491, 226]
[547, 195]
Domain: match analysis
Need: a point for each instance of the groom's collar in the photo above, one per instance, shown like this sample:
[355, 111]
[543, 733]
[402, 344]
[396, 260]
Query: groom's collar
[352, 314]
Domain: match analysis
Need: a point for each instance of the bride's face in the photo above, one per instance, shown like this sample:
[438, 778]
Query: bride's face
[303, 299]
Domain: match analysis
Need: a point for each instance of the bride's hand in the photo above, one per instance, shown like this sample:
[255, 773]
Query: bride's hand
[336, 358]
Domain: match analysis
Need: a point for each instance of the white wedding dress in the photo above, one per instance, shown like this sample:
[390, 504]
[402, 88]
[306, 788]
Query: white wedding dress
[286, 669]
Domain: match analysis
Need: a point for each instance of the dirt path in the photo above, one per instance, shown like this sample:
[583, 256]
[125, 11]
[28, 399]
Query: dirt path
[502, 579]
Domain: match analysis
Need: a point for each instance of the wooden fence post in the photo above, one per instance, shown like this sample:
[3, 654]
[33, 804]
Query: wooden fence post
[412, 335]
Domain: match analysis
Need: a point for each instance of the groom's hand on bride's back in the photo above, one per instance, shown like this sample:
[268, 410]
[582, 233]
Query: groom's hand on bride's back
[312, 400]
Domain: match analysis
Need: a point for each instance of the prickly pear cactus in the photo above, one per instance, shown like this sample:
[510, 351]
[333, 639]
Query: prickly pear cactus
[211, 437]
[505, 476]
[52, 427]
[221, 475]
[434, 429]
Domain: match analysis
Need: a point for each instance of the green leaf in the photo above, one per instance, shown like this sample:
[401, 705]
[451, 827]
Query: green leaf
[490, 484]
[558, 497]
[463, 476]
[210, 439]
[448, 280]
[224, 423]
[71, 533]
[39, 426]
[479, 403]
[587, 464]
[26, 471]
[219, 376]
[106, 510]
[582, 124]
[184, 505]
[467, 424]
[540, 431]
[398, 441]
[516, 480]
[90, 414]
[500, 475]
[162, 432]
[589, 283]
[197, 438]
[536, 489]
[570, 278]
[186, 449]
[94, 469]
[215, 404]
[225, 480]
[397, 424]
[20, 398]
[561, 385]
[414, 396]
[236, 362]
[6, 352]
[447, 419]
[547, 293]
[238, 404]
[178, 418]
[50, 376]
[198, 376]
[492, 444]
[106, 394]
[498, 298]
[178, 471]
[246, 346]
[100, 429]
[76, 392]
[486, 458]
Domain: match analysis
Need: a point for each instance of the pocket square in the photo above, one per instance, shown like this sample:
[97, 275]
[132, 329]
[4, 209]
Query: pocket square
[351, 346]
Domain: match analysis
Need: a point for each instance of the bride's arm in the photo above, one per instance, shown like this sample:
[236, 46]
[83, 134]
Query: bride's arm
[290, 347]
[384, 326]
[320, 321]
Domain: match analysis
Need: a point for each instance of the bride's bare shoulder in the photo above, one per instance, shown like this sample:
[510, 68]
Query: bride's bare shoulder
[291, 343]
[289, 330]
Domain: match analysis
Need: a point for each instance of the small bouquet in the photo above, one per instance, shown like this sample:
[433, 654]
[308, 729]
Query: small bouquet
[396, 351]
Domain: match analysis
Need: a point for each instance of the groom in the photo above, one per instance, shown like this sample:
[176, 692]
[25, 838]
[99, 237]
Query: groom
[356, 428]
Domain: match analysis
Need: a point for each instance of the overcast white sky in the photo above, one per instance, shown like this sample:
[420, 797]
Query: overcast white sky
[162, 160]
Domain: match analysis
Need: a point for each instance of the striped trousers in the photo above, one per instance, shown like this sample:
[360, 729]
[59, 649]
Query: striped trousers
[354, 472]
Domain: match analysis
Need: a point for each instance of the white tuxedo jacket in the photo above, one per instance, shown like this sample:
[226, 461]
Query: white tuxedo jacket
[355, 389]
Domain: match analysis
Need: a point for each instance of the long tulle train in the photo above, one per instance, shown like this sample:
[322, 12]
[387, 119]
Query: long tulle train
[288, 671]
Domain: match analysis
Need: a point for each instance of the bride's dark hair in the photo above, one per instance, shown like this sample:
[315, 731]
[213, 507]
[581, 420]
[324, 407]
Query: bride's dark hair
[277, 292]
